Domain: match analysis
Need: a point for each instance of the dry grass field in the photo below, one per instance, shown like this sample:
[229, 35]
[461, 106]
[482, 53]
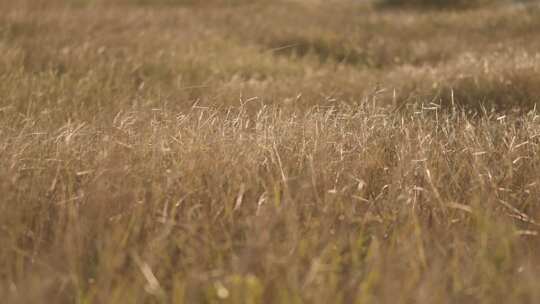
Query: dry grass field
[175, 151]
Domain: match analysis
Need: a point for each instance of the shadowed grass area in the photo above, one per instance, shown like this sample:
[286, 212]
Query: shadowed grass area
[456, 4]
[291, 152]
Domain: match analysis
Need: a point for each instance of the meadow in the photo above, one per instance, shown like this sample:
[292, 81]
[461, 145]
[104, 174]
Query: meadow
[284, 151]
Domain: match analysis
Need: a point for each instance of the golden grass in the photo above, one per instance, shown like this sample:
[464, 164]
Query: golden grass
[264, 152]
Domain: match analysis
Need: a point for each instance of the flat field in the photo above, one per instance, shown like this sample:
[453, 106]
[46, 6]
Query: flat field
[175, 151]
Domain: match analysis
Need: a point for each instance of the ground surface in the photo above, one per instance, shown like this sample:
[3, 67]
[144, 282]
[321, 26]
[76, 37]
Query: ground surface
[268, 152]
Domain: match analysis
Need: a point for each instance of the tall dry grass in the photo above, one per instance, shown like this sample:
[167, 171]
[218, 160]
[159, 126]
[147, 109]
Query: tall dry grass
[252, 153]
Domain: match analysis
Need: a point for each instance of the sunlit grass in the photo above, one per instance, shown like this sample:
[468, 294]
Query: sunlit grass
[179, 152]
